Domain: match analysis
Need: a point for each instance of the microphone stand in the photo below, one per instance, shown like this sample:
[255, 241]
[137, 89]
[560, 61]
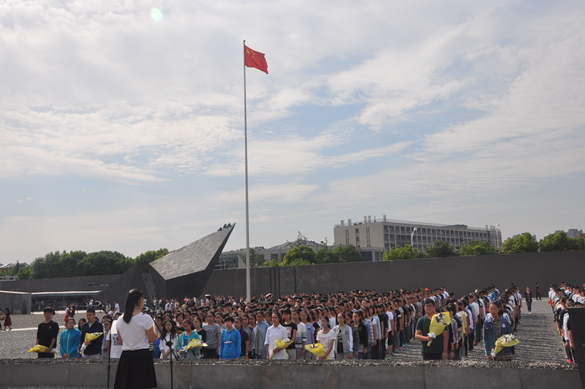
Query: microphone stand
[109, 344]
[169, 344]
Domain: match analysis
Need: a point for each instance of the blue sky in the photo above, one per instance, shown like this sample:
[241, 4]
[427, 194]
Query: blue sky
[120, 132]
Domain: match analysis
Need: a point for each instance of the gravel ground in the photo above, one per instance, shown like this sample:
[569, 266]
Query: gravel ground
[539, 340]
[33, 320]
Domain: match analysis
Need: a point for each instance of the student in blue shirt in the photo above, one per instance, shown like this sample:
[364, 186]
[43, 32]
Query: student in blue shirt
[69, 341]
[230, 342]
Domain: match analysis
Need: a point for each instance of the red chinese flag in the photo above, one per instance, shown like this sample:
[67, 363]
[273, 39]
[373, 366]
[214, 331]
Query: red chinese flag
[255, 59]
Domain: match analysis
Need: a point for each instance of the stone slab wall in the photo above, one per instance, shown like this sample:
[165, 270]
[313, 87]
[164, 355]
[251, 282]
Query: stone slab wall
[458, 274]
[294, 376]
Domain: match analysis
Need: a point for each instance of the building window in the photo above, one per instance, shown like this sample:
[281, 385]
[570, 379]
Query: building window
[357, 238]
[357, 230]
[367, 230]
[346, 240]
[346, 232]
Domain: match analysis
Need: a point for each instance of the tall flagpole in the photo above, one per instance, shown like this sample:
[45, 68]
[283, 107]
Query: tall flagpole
[248, 291]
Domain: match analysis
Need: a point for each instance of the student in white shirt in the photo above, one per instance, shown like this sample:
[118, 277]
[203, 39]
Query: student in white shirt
[274, 333]
[135, 330]
[327, 338]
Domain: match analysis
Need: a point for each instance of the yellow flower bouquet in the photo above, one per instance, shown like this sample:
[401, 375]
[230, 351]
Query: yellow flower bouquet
[89, 337]
[39, 349]
[195, 343]
[317, 350]
[438, 324]
[508, 340]
[281, 344]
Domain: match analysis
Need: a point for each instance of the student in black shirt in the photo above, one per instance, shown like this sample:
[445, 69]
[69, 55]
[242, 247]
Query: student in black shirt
[47, 333]
[291, 330]
[245, 339]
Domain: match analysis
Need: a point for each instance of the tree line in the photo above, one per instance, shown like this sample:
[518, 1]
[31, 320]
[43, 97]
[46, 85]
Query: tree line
[523, 243]
[299, 254]
[79, 263]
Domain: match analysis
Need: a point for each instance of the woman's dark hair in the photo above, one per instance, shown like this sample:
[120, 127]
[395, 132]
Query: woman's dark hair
[164, 332]
[499, 305]
[132, 299]
[278, 315]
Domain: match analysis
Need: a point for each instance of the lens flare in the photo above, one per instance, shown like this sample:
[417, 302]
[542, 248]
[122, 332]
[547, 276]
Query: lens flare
[156, 14]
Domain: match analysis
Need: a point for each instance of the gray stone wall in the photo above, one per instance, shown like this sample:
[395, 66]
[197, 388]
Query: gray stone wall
[458, 274]
[328, 376]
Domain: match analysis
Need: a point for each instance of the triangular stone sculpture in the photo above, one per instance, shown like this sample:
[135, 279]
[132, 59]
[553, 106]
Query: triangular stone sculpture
[185, 272]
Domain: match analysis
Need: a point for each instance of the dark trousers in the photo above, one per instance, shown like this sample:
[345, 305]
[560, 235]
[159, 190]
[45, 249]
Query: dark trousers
[382, 348]
[375, 351]
[431, 356]
[210, 353]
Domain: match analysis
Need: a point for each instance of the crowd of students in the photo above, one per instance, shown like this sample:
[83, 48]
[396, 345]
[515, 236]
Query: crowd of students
[560, 298]
[354, 325]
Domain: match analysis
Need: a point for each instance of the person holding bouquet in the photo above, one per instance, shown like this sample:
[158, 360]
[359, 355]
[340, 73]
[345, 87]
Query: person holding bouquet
[327, 338]
[432, 348]
[495, 326]
[47, 333]
[274, 333]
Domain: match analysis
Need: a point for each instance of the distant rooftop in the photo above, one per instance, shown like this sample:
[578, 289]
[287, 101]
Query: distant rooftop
[393, 221]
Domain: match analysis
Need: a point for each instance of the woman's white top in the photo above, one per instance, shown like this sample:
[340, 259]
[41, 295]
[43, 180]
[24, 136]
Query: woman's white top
[272, 335]
[134, 333]
[325, 339]
[163, 345]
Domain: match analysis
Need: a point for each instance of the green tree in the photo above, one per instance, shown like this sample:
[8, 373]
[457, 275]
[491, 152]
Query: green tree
[145, 258]
[476, 247]
[324, 255]
[559, 241]
[15, 269]
[440, 249]
[523, 243]
[271, 263]
[25, 272]
[348, 253]
[405, 252]
[256, 260]
[302, 255]
[104, 263]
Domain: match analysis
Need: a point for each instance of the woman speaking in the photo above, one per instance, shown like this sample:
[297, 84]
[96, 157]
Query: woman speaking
[135, 330]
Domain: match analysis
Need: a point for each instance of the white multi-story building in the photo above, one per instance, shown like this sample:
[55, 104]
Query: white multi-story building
[388, 234]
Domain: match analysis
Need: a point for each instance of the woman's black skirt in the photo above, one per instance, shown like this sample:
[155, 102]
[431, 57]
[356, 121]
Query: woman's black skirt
[135, 370]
